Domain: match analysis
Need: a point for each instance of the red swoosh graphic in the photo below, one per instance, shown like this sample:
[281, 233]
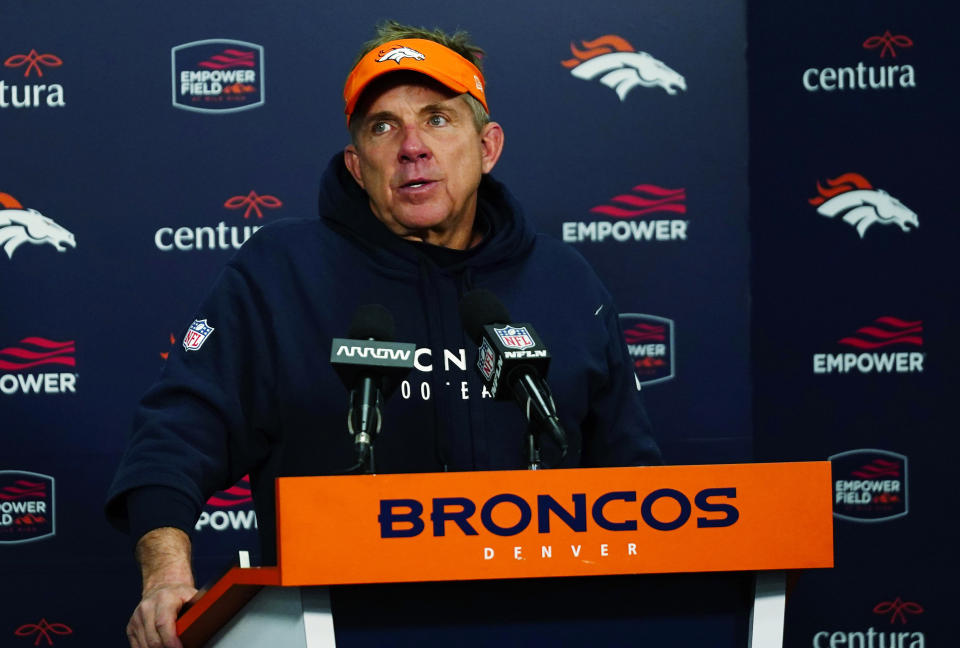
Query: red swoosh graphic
[880, 333]
[23, 488]
[619, 212]
[879, 468]
[45, 343]
[651, 198]
[863, 344]
[34, 355]
[229, 58]
[896, 321]
[638, 201]
[894, 331]
[56, 354]
[659, 191]
[645, 332]
[236, 495]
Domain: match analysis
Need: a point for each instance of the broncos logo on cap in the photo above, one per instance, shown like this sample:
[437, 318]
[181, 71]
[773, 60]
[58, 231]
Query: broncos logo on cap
[616, 64]
[399, 53]
[19, 226]
[861, 205]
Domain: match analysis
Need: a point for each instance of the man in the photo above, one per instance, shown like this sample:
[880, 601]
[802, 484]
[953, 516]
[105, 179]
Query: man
[409, 219]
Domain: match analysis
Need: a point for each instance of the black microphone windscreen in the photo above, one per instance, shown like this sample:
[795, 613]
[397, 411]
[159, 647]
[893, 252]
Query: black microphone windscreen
[372, 321]
[479, 308]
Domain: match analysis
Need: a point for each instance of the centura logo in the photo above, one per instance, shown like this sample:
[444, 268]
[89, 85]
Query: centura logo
[882, 332]
[229, 510]
[399, 53]
[44, 630]
[32, 95]
[26, 507]
[861, 205]
[865, 77]
[869, 485]
[632, 214]
[900, 612]
[889, 43]
[32, 353]
[650, 344]
[617, 65]
[223, 236]
[19, 226]
[252, 204]
[898, 609]
[217, 76]
[196, 335]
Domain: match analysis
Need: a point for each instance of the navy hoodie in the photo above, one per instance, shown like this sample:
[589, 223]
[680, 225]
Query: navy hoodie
[259, 396]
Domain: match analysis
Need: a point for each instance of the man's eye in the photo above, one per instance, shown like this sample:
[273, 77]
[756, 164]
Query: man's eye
[437, 120]
[380, 127]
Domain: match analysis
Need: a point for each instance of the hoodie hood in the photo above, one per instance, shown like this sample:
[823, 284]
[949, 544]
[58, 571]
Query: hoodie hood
[345, 207]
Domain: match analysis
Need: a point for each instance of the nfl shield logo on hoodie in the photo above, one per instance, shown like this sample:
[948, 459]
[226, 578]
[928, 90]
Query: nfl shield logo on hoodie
[196, 335]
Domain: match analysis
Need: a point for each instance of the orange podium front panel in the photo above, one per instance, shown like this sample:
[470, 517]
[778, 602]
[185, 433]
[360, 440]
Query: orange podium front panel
[578, 522]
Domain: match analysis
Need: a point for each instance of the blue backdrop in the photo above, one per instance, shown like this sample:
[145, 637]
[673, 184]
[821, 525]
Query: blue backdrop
[743, 308]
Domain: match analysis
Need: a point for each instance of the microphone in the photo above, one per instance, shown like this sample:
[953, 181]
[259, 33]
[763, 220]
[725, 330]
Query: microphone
[512, 361]
[371, 365]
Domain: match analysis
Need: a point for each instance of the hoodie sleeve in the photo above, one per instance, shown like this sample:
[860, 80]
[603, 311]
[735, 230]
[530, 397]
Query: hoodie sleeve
[204, 423]
[618, 431]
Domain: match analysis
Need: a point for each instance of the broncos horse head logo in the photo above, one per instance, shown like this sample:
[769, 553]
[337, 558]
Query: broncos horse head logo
[861, 205]
[399, 53]
[19, 226]
[618, 66]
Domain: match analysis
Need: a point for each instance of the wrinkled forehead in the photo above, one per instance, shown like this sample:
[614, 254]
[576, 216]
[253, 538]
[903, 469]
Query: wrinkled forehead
[384, 84]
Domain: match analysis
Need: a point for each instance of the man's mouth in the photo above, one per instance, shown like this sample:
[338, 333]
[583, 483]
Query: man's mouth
[414, 184]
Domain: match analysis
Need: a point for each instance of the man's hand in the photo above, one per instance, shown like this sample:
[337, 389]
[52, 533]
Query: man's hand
[164, 557]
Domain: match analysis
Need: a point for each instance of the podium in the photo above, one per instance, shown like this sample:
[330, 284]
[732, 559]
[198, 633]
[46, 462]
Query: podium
[762, 518]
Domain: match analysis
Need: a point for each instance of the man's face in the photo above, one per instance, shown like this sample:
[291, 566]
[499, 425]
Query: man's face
[419, 157]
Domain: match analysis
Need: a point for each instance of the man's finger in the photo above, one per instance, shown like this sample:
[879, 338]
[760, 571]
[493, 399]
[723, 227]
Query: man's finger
[135, 631]
[146, 616]
[167, 631]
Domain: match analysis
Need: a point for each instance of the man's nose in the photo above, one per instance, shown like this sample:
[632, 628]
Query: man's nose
[412, 147]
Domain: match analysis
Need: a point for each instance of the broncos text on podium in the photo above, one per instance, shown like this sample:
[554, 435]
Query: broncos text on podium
[580, 521]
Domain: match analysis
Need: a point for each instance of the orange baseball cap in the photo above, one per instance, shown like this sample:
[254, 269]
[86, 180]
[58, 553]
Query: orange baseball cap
[416, 55]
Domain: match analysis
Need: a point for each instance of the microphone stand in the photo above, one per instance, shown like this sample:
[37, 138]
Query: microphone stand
[369, 410]
[527, 391]
[533, 461]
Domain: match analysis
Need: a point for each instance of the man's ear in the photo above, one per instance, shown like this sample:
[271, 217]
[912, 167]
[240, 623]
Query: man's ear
[351, 158]
[491, 145]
